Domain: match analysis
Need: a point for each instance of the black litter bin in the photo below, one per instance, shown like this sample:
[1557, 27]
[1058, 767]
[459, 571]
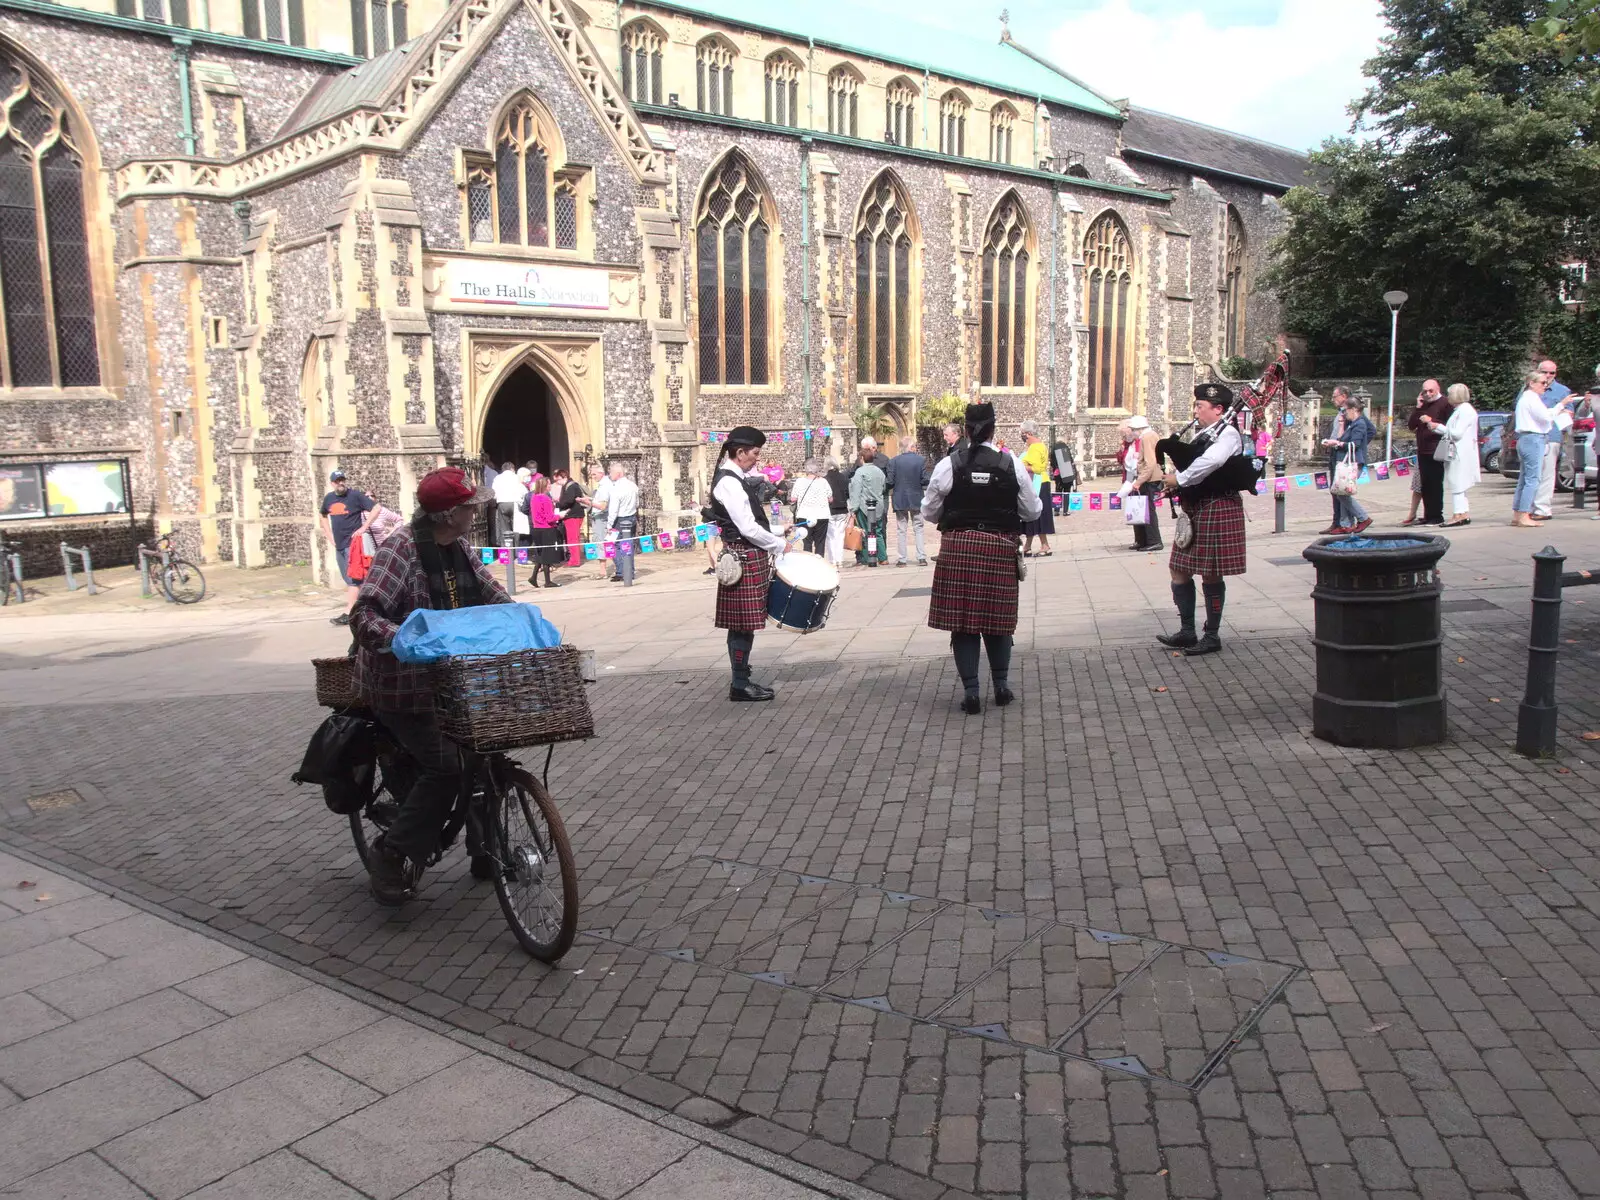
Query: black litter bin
[1377, 639]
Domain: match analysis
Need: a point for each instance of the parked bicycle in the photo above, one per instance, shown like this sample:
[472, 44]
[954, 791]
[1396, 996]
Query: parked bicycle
[179, 580]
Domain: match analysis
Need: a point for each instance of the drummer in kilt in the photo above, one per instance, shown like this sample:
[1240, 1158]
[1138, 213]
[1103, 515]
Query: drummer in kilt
[979, 497]
[1217, 517]
[747, 536]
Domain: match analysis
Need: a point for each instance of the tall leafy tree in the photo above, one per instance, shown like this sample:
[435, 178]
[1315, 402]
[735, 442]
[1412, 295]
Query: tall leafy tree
[1471, 181]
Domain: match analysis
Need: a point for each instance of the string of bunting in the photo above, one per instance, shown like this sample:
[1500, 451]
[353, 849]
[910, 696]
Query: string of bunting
[712, 437]
[690, 537]
[1321, 480]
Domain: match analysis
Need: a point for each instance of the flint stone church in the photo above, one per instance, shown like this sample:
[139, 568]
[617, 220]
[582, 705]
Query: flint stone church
[243, 242]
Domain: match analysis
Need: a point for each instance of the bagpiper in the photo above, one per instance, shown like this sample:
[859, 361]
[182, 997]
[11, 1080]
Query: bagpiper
[744, 569]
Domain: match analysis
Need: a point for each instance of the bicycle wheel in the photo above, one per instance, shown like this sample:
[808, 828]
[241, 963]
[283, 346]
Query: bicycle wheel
[374, 817]
[182, 582]
[537, 882]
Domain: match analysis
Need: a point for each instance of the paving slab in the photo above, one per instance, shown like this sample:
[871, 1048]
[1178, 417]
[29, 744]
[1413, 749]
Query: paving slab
[599, 1148]
[492, 1174]
[278, 1176]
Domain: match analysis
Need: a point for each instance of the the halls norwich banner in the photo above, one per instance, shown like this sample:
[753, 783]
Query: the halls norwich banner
[520, 285]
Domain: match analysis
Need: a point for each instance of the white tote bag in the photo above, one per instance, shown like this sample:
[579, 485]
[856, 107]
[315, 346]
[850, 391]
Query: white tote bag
[1136, 510]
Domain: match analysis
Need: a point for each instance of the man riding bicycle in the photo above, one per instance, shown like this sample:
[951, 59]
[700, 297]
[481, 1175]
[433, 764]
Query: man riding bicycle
[425, 564]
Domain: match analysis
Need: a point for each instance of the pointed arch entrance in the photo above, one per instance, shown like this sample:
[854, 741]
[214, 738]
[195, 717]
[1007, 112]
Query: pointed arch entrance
[537, 398]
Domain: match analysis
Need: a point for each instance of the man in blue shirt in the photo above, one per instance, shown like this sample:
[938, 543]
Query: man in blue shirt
[1555, 396]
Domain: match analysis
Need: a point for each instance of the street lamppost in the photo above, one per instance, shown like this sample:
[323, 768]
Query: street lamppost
[1394, 300]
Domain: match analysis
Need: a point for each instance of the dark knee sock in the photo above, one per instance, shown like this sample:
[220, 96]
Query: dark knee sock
[1215, 594]
[965, 647]
[739, 646]
[1183, 597]
[999, 648]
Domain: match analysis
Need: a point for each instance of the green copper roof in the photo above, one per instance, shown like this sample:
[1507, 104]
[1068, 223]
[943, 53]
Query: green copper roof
[894, 38]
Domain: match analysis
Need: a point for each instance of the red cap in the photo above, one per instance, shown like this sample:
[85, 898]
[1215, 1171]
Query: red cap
[447, 488]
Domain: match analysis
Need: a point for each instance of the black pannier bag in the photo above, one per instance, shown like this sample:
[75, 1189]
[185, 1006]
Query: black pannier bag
[341, 757]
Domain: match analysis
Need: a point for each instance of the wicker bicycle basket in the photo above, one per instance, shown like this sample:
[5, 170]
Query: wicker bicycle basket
[501, 701]
[336, 682]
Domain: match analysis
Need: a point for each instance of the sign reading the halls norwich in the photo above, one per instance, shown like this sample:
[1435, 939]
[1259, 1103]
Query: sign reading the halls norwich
[518, 285]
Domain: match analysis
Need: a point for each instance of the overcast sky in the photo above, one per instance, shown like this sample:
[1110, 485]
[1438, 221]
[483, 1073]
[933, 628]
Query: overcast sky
[1282, 70]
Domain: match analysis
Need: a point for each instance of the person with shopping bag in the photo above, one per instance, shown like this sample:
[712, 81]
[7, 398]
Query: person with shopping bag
[1461, 469]
[1141, 476]
[1351, 454]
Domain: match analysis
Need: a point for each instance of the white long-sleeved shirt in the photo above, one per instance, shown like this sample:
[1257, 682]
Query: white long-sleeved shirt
[730, 493]
[1029, 506]
[1533, 416]
[622, 500]
[508, 489]
[1227, 444]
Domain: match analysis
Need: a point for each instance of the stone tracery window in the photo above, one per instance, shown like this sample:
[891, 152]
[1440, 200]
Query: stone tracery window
[1002, 121]
[642, 47]
[885, 311]
[376, 26]
[733, 244]
[1003, 340]
[783, 90]
[713, 90]
[46, 298]
[523, 194]
[1234, 289]
[953, 123]
[900, 115]
[1108, 288]
[844, 96]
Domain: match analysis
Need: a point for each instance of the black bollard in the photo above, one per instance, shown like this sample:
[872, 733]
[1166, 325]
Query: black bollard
[1536, 715]
[1579, 475]
[1280, 499]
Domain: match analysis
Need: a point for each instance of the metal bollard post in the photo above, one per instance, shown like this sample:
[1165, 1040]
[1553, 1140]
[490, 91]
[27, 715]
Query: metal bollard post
[16, 577]
[88, 568]
[66, 566]
[511, 572]
[1536, 715]
[1280, 500]
[1579, 477]
[145, 589]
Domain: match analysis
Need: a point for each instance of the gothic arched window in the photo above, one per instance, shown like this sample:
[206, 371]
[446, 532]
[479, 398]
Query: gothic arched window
[1002, 121]
[713, 91]
[844, 95]
[783, 90]
[1108, 288]
[733, 247]
[642, 47]
[46, 299]
[1003, 341]
[885, 312]
[900, 112]
[953, 123]
[1234, 289]
[523, 194]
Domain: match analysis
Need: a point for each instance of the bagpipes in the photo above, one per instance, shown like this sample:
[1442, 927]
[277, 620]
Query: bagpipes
[1244, 470]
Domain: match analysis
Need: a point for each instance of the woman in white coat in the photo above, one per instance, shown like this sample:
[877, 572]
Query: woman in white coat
[1462, 471]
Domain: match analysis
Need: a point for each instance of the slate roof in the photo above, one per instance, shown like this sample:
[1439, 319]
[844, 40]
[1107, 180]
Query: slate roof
[366, 85]
[1189, 143]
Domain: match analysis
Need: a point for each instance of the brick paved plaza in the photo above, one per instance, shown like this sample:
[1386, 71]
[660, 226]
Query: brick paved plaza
[1138, 936]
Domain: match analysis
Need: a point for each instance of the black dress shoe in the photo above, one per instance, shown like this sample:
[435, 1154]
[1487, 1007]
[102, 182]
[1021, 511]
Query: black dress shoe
[1152, 549]
[750, 691]
[971, 705]
[341, 619]
[1181, 640]
[1003, 696]
[1209, 644]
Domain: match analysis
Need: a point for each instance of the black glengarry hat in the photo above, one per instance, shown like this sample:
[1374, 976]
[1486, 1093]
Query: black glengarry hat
[1213, 393]
[745, 435]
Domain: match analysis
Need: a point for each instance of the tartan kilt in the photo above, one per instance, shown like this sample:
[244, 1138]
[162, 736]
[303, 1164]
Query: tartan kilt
[975, 583]
[743, 607]
[1218, 546]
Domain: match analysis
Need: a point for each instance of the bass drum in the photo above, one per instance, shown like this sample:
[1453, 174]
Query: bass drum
[802, 593]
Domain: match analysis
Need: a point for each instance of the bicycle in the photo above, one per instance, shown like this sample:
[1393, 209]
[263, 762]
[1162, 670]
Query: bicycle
[180, 580]
[518, 831]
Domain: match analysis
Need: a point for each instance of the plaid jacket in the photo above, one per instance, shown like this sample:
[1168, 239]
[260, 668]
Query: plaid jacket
[394, 588]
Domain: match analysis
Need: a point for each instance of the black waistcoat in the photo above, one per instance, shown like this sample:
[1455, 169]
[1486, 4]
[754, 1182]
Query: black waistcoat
[983, 492]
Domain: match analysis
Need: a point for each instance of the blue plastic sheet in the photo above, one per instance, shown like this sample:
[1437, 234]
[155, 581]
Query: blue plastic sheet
[1366, 543]
[428, 635]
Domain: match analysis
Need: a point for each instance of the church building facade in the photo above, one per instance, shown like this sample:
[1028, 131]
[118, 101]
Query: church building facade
[244, 242]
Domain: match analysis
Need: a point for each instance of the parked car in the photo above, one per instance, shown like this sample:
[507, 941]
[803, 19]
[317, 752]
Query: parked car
[1491, 428]
[1489, 449]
